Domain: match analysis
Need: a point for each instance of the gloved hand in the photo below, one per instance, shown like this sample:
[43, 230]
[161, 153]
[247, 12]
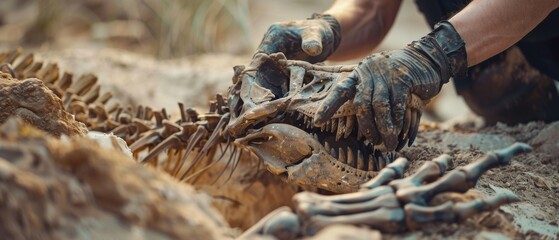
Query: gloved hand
[312, 40]
[382, 85]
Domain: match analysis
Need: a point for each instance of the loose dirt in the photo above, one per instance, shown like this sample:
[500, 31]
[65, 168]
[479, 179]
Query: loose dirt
[534, 177]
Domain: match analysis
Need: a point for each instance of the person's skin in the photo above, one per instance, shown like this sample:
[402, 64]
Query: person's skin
[364, 23]
[488, 27]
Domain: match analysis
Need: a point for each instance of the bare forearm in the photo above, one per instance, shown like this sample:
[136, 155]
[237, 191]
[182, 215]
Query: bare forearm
[488, 27]
[364, 23]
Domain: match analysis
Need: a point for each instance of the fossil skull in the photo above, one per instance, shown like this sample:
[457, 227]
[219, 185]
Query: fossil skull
[272, 103]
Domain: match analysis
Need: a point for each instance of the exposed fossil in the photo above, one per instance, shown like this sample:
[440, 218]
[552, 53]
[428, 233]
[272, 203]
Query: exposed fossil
[272, 104]
[391, 204]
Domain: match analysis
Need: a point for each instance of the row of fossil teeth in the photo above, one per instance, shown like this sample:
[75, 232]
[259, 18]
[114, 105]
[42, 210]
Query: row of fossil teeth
[353, 159]
[342, 126]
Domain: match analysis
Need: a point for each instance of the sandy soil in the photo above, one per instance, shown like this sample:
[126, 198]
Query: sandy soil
[534, 177]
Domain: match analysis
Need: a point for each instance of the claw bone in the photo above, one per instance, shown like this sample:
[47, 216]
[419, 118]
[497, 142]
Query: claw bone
[452, 212]
[390, 172]
[463, 178]
[429, 171]
[280, 223]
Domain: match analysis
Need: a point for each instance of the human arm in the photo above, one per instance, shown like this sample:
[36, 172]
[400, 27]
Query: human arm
[364, 24]
[488, 27]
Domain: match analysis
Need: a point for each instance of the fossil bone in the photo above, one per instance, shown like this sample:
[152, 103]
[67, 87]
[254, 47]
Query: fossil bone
[398, 204]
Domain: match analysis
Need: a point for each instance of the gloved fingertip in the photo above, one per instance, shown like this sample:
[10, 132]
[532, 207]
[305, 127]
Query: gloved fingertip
[312, 47]
[325, 111]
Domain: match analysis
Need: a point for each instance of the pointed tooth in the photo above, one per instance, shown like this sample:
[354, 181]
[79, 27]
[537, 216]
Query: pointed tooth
[306, 119]
[381, 161]
[334, 126]
[327, 125]
[350, 157]
[341, 128]
[299, 116]
[322, 127]
[342, 156]
[360, 135]
[333, 153]
[361, 164]
[371, 163]
[349, 123]
[327, 146]
[309, 124]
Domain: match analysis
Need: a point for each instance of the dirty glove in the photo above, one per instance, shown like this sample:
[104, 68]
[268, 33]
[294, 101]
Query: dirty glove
[312, 40]
[382, 85]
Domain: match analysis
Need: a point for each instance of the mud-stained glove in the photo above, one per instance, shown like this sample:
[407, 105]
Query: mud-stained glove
[382, 85]
[312, 40]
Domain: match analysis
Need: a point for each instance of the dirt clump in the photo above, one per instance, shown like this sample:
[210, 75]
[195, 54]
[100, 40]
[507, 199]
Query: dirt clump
[70, 188]
[37, 105]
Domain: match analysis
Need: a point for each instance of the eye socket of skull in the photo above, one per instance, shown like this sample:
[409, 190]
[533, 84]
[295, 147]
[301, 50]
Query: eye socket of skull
[272, 75]
[266, 79]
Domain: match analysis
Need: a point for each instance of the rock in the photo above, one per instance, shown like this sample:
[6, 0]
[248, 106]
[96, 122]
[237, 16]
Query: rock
[539, 181]
[37, 105]
[74, 189]
[546, 140]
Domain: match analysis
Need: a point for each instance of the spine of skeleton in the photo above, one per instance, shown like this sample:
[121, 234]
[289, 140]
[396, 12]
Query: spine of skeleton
[149, 133]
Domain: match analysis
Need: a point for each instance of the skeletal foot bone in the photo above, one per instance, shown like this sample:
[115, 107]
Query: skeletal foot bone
[390, 204]
[280, 223]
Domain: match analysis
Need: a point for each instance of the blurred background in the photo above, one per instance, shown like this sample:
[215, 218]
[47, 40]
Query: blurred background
[216, 33]
[166, 28]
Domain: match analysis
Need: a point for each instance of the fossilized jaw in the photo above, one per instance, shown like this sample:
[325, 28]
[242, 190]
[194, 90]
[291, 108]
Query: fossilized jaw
[301, 157]
[272, 105]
